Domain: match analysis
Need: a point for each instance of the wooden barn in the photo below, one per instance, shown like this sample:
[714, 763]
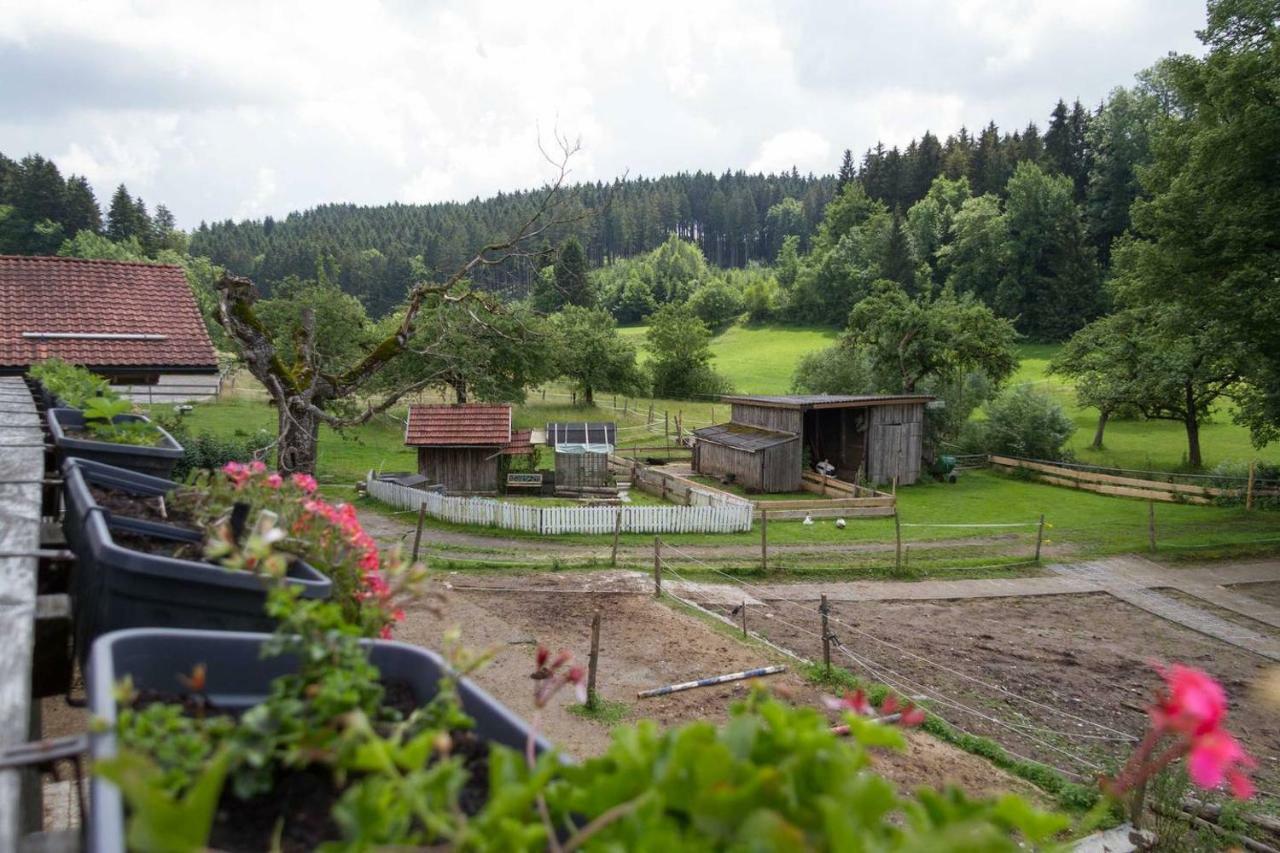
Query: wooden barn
[770, 439]
[461, 446]
[582, 453]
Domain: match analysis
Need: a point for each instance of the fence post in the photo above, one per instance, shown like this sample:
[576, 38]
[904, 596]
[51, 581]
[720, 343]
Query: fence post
[1039, 537]
[744, 619]
[1151, 524]
[764, 540]
[897, 536]
[657, 567]
[591, 661]
[617, 529]
[826, 633]
[1248, 493]
[417, 535]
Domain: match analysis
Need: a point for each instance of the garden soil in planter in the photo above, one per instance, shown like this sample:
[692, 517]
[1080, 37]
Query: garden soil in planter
[237, 678]
[68, 431]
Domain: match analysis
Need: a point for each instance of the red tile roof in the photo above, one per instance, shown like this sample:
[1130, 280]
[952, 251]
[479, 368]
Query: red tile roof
[465, 425]
[520, 444]
[100, 314]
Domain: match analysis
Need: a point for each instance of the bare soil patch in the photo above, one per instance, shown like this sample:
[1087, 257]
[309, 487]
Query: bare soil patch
[1086, 655]
[645, 643]
[1267, 592]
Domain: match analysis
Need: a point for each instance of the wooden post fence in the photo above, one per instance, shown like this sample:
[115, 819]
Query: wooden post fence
[1248, 492]
[897, 537]
[824, 609]
[1039, 537]
[592, 661]
[657, 567]
[1151, 524]
[417, 534]
[744, 619]
[617, 531]
[764, 540]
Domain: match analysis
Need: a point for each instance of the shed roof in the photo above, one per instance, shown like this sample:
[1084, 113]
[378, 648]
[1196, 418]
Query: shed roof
[582, 432]
[743, 437]
[827, 401]
[459, 425]
[100, 314]
[520, 444]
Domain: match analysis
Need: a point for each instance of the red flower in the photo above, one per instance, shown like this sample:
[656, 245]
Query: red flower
[1216, 757]
[1194, 704]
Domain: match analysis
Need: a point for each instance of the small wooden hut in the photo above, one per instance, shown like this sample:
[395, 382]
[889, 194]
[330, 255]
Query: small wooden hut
[460, 447]
[582, 451]
[765, 444]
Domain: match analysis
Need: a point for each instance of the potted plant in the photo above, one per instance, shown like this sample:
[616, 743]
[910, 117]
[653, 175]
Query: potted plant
[105, 431]
[241, 741]
[156, 553]
[61, 384]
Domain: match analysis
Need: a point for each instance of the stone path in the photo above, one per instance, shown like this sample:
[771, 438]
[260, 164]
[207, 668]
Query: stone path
[1131, 578]
[1135, 580]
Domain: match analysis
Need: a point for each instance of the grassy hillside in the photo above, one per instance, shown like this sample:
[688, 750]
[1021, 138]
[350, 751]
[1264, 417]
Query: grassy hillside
[761, 360]
[758, 359]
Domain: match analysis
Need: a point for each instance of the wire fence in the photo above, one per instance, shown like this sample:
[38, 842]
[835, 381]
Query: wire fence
[1004, 711]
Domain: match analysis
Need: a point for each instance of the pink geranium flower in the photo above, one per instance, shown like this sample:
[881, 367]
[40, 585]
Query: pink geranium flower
[275, 481]
[1216, 757]
[305, 482]
[1194, 704]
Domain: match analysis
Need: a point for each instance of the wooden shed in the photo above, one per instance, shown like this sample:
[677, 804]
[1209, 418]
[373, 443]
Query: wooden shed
[582, 451]
[460, 447]
[880, 436]
[758, 459]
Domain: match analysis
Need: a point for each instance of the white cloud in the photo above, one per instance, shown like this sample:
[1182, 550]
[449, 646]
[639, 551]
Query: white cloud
[239, 108]
[807, 150]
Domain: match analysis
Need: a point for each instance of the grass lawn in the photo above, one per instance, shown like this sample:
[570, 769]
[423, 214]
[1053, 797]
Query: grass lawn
[1090, 524]
[1138, 444]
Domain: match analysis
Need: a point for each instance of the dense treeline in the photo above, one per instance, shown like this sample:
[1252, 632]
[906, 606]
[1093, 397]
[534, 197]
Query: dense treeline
[376, 252]
[40, 210]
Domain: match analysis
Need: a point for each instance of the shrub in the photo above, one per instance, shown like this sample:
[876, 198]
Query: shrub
[1025, 422]
[717, 303]
[74, 385]
[207, 451]
[834, 370]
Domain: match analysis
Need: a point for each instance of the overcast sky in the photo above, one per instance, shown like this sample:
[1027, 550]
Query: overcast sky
[231, 109]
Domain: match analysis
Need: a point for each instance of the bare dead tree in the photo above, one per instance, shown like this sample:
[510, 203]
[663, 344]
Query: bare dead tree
[306, 395]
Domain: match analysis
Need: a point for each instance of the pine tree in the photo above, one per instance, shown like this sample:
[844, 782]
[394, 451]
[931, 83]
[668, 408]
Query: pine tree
[1057, 140]
[847, 171]
[571, 275]
[123, 220]
[82, 213]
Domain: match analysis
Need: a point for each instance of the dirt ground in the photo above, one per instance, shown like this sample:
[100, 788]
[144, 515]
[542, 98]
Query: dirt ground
[643, 644]
[1268, 592]
[1088, 655]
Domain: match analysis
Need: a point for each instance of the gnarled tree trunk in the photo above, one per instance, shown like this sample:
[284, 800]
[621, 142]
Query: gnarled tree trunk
[299, 438]
[1103, 416]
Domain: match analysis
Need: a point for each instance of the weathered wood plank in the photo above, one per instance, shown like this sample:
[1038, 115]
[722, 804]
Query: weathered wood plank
[21, 470]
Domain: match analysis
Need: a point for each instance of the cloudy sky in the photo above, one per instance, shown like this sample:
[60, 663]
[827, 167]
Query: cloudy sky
[240, 109]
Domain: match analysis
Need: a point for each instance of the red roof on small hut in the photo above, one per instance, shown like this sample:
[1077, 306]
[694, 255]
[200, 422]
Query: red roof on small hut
[520, 444]
[100, 314]
[459, 425]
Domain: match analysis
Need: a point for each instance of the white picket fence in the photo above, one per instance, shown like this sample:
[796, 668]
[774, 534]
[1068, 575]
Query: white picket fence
[724, 517]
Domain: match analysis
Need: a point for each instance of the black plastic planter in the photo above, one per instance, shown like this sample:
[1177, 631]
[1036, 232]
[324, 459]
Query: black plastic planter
[80, 476]
[237, 677]
[118, 587]
[158, 460]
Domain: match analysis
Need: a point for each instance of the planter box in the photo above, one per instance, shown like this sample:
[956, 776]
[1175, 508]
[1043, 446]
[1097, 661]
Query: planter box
[117, 587]
[80, 475]
[158, 460]
[239, 678]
